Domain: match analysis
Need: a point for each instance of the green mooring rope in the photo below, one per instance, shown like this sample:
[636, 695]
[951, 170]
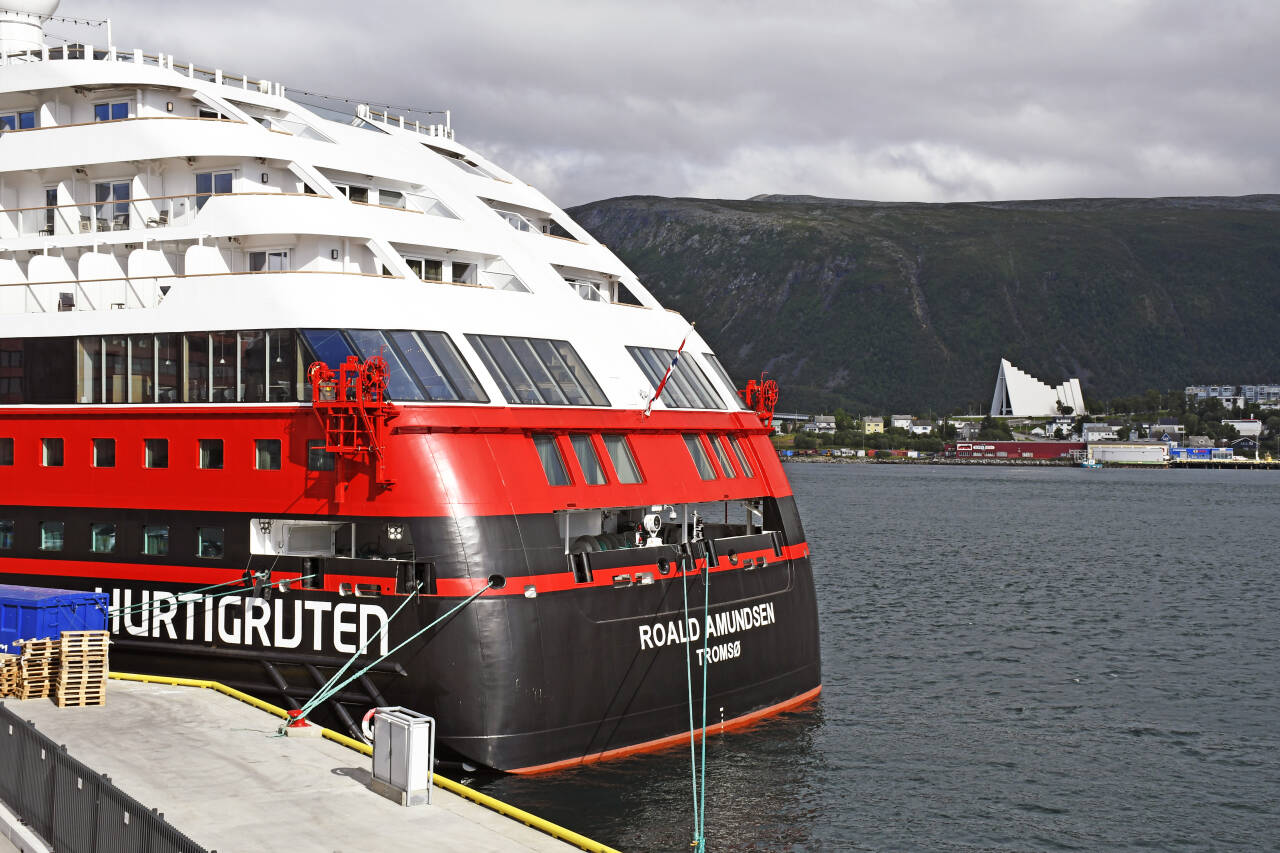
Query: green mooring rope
[324, 694]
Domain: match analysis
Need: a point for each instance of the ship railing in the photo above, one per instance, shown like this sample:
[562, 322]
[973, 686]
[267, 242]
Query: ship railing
[89, 53]
[441, 131]
[103, 294]
[243, 82]
[168, 211]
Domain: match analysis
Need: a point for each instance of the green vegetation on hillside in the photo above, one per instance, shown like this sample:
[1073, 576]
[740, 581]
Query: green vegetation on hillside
[907, 307]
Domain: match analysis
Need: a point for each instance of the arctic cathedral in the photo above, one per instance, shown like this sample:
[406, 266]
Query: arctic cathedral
[1021, 395]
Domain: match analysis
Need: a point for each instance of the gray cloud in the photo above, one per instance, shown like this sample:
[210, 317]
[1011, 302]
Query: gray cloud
[925, 100]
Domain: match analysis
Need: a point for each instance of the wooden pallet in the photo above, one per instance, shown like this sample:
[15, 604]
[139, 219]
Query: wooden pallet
[81, 699]
[40, 648]
[85, 641]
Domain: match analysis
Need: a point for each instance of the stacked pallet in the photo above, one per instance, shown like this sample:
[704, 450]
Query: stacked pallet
[10, 675]
[39, 665]
[82, 677]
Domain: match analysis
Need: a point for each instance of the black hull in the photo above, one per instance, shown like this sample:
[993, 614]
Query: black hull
[528, 684]
[516, 683]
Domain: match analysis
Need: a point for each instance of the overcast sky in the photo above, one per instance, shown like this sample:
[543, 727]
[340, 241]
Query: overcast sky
[916, 100]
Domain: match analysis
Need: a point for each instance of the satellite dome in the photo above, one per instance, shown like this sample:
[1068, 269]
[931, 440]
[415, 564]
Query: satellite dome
[22, 24]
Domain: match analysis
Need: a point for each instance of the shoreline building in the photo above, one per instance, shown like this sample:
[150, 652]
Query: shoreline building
[1020, 395]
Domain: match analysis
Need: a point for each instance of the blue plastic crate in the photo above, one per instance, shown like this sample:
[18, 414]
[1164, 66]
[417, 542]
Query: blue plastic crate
[33, 613]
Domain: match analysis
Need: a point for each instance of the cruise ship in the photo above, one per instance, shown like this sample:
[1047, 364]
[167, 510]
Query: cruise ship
[298, 388]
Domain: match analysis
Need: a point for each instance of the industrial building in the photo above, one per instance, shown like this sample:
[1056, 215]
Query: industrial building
[1015, 450]
[1021, 395]
[1131, 452]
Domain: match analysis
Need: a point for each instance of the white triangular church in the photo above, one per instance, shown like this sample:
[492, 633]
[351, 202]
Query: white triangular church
[1021, 395]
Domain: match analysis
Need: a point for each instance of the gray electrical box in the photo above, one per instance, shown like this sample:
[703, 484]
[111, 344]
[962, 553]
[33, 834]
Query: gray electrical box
[404, 754]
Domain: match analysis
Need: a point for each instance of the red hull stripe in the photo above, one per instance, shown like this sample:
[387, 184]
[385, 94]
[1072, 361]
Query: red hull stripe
[663, 743]
[445, 587]
[561, 581]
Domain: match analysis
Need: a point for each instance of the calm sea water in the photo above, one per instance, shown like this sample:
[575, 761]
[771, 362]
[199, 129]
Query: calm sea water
[1013, 659]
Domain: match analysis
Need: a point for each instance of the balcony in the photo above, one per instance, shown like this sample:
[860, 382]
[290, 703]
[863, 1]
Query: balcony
[110, 214]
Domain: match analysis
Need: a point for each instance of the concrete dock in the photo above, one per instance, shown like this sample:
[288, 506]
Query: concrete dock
[216, 769]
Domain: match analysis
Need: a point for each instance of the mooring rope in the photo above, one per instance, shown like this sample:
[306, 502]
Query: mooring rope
[324, 694]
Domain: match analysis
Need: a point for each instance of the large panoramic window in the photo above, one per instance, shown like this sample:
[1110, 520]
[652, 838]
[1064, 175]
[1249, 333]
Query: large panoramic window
[420, 365]
[6, 451]
[538, 371]
[718, 369]
[209, 542]
[688, 387]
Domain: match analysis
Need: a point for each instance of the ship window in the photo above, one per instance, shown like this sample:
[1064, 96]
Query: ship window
[212, 183]
[463, 273]
[319, 459]
[111, 111]
[209, 542]
[329, 346]
[197, 359]
[115, 352]
[400, 382]
[552, 462]
[223, 345]
[268, 454]
[588, 461]
[6, 534]
[155, 540]
[104, 453]
[435, 361]
[273, 261]
[253, 367]
[282, 356]
[700, 458]
[725, 465]
[156, 452]
[742, 456]
[102, 537]
[51, 535]
[687, 388]
[6, 451]
[624, 464]
[426, 268]
[536, 371]
[718, 369]
[168, 366]
[18, 121]
[142, 373]
[51, 452]
[211, 453]
[112, 208]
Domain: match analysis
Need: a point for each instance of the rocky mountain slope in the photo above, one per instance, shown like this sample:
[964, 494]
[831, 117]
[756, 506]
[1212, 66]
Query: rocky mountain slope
[909, 307]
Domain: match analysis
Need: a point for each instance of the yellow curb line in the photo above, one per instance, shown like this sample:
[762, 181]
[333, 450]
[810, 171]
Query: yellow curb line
[554, 830]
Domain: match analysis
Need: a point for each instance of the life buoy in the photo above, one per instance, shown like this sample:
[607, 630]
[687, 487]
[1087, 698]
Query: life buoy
[366, 727]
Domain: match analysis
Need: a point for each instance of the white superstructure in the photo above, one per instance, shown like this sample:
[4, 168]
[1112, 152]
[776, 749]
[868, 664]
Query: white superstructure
[140, 193]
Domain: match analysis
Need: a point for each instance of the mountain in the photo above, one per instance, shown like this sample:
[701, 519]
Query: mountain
[880, 306]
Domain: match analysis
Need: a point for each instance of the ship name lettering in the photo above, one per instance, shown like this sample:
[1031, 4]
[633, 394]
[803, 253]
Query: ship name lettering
[721, 624]
[283, 623]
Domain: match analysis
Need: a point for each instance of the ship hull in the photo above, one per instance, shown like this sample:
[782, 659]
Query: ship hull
[515, 684]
